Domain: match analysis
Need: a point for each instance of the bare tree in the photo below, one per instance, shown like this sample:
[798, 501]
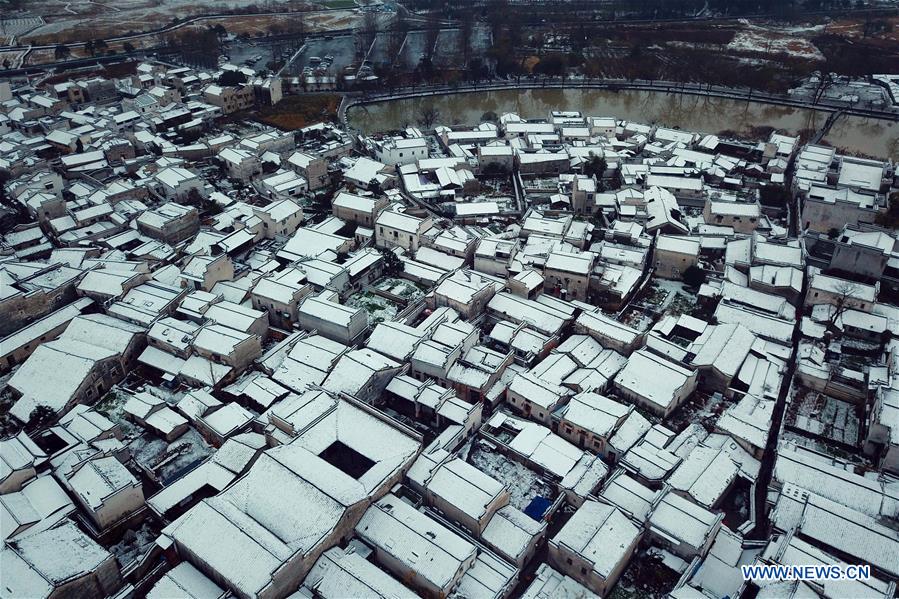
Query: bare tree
[296, 27]
[370, 27]
[61, 52]
[843, 295]
[498, 18]
[200, 47]
[399, 28]
[365, 34]
[825, 81]
[432, 32]
[466, 35]
[427, 116]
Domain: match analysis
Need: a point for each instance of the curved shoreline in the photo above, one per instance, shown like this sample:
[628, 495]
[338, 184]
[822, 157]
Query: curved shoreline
[668, 87]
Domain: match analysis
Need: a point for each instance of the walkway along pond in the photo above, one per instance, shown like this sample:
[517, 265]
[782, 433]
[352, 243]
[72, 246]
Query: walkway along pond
[707, 114]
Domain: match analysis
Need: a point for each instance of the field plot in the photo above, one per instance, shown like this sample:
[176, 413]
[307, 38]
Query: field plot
[771, 42]
[12, 28]
[57, 21]
[296, 112]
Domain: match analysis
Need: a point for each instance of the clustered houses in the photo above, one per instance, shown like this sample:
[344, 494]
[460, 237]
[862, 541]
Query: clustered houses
[240, 361]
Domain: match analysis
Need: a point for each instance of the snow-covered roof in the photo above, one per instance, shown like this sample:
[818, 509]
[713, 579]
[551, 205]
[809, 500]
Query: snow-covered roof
[835, 480]
[595, 413]
[186, 582]
[399, 221]
[53, 374]
[662, 387]
[288, 503]
[40, 504]
[542, 317]
[98, 480]
[34, 565]
[419, 543]
[705, 475]
[341, 573]
[511, 532]
[550, 583]
[601, 535]
[465, 487]
[682, 520]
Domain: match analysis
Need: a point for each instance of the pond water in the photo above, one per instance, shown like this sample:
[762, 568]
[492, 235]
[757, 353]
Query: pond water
[696, 113]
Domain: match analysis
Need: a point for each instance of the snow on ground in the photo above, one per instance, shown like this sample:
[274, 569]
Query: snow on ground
[14, 58]
[770, 42]
[129, 16]
[400, 287]
[112, 406]
[378, 309]
[523, 483]
[790, 29]
[638, 319]
[824, 417]
[668, 285]
[134, 544]
[12, 27]
[170, 460]
[663, 294]
[171, 397]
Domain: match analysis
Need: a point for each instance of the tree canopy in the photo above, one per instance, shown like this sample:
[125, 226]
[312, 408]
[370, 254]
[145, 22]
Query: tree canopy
[232, 78]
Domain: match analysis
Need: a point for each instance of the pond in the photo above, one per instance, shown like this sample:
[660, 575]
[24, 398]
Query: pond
[696, 113]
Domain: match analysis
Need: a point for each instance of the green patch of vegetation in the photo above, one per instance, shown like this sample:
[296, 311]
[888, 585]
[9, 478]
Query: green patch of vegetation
[378, 308]
[9, 426]
[296, 112]
[108, 403]
[339, 4]
[681, 304]
[646, 577]
[890, 218]
[111, 405]
[654, 296]
[407, 290]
